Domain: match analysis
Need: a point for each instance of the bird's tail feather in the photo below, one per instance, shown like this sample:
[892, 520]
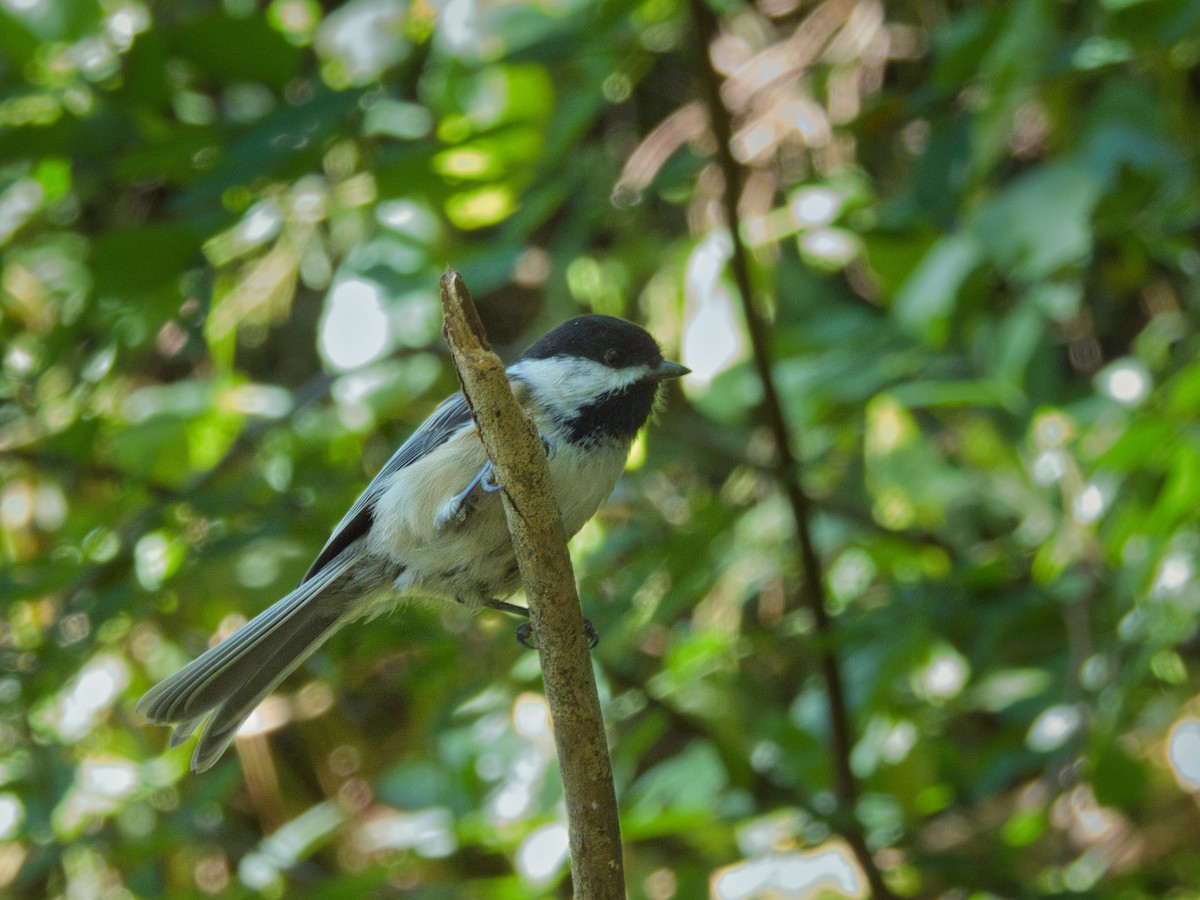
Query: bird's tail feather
[225, 684]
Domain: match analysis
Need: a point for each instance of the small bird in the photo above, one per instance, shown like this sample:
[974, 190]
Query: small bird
[430, 525]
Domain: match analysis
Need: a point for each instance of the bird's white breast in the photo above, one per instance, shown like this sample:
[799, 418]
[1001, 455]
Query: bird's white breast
[472, 560]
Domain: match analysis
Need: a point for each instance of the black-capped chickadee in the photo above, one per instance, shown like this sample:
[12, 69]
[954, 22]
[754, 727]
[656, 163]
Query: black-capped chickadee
[430, 525]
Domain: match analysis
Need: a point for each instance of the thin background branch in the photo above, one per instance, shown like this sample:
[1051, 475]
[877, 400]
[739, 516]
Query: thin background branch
[519, 462]
[813, 594]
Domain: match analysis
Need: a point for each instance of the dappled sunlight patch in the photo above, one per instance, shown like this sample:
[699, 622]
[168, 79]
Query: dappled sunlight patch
[884, 742]
[516, 754]
[1183, 753]
[409, 218]
[815, 205]
[827, 870]
[360, 39]
[261, 223]
[1054, 727]
[1176, 571]
[1089, 504]
[262, 868]
[829, 248]
[270, 715]
[481, 207]
[943, 676]
[713, 339]
[850, 575]
[296, 20]
[1127, 381]
[313, 700]
[12, 814]
[101, 787]
[1100, 836]
[74, 712]
[157, 556]
[427, 832]
[355, 328]
[543, 854]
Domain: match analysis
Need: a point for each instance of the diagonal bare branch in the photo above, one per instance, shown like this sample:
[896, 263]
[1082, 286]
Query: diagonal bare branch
[519, 462]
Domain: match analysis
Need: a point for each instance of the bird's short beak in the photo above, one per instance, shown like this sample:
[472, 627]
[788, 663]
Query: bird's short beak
[668, 369]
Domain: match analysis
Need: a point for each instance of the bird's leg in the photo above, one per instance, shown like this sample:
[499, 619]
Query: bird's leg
[525, 629]
[484, 477]
[504, 606]
[456, 507]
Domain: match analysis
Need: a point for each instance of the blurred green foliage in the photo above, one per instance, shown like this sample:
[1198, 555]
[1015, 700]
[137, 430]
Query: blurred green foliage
[974, 227]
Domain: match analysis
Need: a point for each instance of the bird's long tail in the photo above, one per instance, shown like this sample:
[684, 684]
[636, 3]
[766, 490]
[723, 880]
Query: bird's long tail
[225, 684]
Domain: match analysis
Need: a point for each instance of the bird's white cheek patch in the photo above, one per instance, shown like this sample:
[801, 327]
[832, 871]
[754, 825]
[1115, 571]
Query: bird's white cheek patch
[571, 383]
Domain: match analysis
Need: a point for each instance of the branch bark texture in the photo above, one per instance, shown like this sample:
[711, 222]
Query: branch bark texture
[813, 594]
[519, 464]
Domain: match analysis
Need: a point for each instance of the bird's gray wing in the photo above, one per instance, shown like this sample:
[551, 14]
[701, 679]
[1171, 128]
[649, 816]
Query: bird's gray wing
[450, 416]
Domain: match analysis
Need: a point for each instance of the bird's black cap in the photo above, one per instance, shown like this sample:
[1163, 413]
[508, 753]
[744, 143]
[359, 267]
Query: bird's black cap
[616, 414]
[605, 339]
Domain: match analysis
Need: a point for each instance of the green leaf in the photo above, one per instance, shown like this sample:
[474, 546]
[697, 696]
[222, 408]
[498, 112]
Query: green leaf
[1118, 780]
[950, 393]
[236, 49]
[928, 296]
[155, 450]
[145, 258]
[1153, 25]
[1027, 237]
[692, 781]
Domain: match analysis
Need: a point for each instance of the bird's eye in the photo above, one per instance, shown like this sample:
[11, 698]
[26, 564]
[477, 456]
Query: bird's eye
[613, 357]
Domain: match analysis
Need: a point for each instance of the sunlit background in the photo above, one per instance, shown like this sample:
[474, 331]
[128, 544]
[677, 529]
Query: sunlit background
[972, 230]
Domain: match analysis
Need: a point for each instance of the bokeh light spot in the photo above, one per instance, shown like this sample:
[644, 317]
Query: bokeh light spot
[543, 853]
[825, 871]
[355, 329]
[1183, 752]
[816, 205]
[1175, 572]
[12, 814]
[1053, 728]
[1127, 381]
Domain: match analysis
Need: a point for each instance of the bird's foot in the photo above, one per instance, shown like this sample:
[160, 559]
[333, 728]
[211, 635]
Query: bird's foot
[525, 635]
[456, 508]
